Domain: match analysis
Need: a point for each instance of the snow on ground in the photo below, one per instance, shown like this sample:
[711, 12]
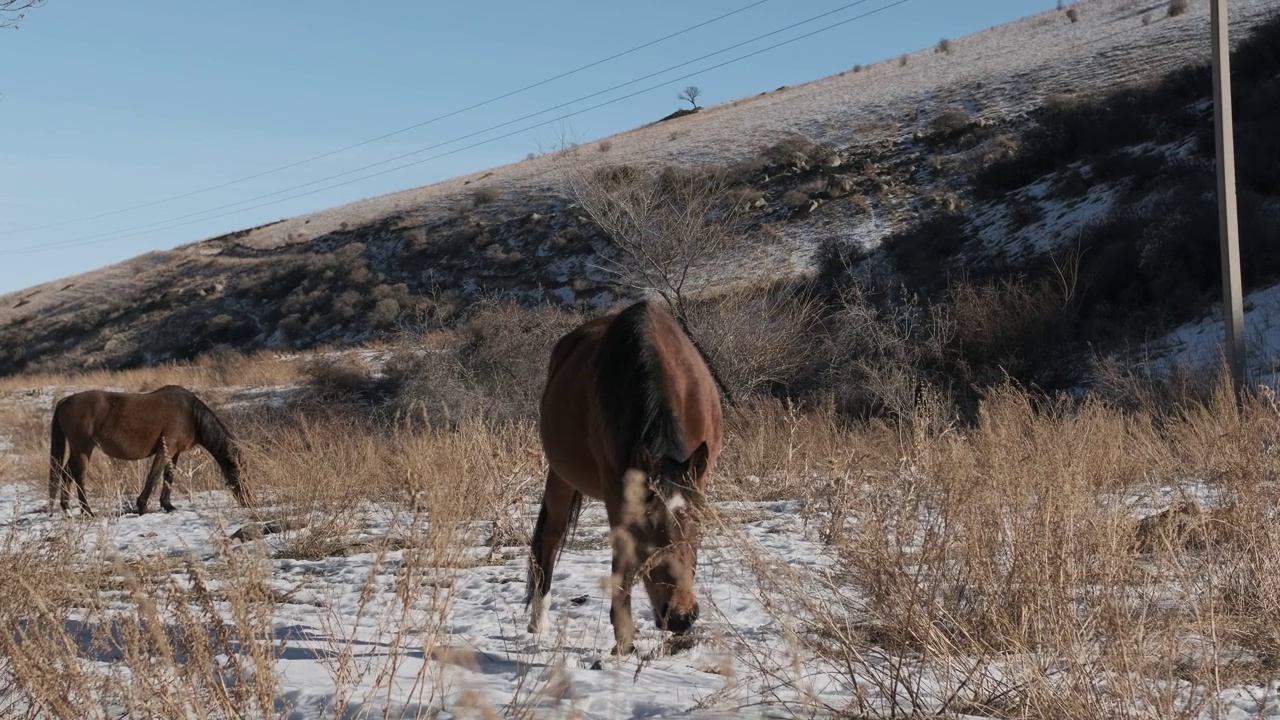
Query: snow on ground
[484, 647]
[467, 646]
[1199, 343]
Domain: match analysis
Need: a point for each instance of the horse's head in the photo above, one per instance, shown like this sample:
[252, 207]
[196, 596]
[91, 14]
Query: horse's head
[231, 464]
[668, 504]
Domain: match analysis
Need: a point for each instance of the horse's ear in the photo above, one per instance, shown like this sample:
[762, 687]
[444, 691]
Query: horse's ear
[696, 465]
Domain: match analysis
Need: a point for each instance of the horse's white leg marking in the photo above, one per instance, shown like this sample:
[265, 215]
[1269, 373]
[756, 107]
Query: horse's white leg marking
[541, 610]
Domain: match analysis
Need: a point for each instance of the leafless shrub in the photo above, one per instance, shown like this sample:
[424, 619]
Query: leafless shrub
[758, 339]
[902, 61]
[1178, 7]
[744, 197]
[604, 146]
[1073, 13]
[944, 46]
[484, 195]
[667, 228]
[340, 374]
[492, 368]
[951, 121]
[797, 152]
[891, 356]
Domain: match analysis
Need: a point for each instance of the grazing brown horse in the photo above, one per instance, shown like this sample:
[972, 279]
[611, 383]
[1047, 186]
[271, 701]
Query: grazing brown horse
[163, 423]
[631, 415]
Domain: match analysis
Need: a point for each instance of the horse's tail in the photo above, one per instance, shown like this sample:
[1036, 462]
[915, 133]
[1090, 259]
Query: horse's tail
[214, 436]
[57, 452]
[539, 531]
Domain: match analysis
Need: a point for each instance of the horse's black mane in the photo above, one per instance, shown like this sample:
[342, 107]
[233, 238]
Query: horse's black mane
[213, 434]
[633, 394]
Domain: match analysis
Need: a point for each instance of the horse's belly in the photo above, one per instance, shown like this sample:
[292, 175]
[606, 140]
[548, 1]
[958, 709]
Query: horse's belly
[126, 450]
[571, 459]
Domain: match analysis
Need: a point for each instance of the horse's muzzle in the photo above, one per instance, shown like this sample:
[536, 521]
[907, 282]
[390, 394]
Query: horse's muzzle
[675, 620]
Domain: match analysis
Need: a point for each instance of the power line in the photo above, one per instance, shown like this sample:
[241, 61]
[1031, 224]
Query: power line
[116, 236]
[166, 223]
[384, 136]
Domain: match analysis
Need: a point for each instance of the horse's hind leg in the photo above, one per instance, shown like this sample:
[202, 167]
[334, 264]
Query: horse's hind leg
[58, 480]
[168, 483]
[153, 475]
[79, 464]
[548, 535]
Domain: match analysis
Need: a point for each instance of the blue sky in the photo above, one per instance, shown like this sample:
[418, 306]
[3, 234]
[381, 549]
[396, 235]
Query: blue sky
[107, 106]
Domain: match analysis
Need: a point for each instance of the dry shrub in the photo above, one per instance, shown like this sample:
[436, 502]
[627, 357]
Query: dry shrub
[887, 354]
[951, 121]
[796, 151]
[484, 195]
[492, 368]
[777, 450]
[758, 340]
[336, 375]
[667, 229]
[1178, 7]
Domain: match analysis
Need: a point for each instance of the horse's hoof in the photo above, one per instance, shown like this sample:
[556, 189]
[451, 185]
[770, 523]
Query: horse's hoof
[622, 649]
[142, 509]
[167, 508]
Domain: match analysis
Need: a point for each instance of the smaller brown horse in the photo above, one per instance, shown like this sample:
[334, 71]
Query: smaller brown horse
[163, 423]
[630, 414]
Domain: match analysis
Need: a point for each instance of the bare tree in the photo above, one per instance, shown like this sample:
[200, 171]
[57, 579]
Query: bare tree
[690, 95]
[669, 230]
[13, 11]
[668, 227]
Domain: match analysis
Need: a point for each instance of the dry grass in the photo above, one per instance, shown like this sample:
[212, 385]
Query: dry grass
[215, 370]
[997, 569]
[184, 637]
[989, 568]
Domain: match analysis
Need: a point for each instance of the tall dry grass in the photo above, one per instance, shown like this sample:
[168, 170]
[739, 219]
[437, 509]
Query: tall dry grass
[102, 635]
[996, 569]
[216, 370]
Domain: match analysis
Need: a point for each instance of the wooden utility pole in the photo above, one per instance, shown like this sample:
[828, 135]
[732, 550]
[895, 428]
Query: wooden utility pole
[1228, 229]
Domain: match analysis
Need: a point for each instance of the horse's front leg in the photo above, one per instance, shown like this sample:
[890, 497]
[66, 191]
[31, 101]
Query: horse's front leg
[625, 563]
[79, 464]
[165, 502]
[157, 469]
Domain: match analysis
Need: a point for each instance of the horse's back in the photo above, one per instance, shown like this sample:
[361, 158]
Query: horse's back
[577, 437]
[127, 425]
